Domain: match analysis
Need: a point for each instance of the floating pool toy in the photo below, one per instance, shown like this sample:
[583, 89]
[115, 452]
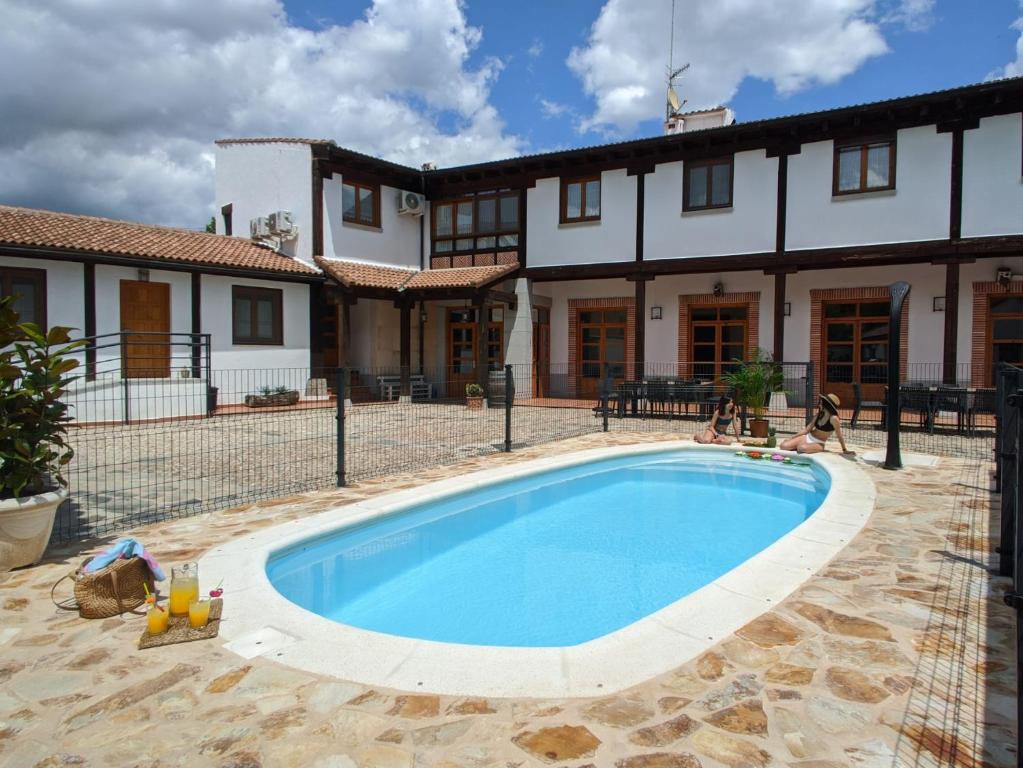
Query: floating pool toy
[755, 455]
[777, 457]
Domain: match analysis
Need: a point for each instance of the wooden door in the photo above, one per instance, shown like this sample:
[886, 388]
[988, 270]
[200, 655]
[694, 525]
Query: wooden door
[855, 348]
[718, 336]
[601, 349]
[461, 353]
[145, 307]
[541, 352]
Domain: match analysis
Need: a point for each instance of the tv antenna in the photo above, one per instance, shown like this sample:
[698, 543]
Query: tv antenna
[674, 104]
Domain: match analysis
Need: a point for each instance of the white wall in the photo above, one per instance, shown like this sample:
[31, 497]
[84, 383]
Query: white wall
[916, 210]
[992, 180]
[258, 179]
[613, 238]
[242, 369]
[65, 290]
[561, 292]
[747, 227]
[395, 242]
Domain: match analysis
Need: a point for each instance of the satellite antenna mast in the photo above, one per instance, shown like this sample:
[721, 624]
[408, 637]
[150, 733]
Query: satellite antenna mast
[673, 102]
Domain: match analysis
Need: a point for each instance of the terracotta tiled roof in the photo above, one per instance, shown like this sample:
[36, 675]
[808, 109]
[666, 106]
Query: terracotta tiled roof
[353, 274]
[47, 229]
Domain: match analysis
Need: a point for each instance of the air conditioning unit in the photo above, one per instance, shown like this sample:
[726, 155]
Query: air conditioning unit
[259, 228]
[411, 203]
[281, 223]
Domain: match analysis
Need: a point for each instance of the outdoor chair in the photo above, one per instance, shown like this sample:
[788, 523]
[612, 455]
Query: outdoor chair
[950, 400]
[981, 401]
[919, 399]
[658, 396]
[859, 402]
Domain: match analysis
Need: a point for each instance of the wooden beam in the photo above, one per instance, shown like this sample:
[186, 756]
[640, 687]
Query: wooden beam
[196, 325]
[89, 305]
[955, 215]
[479, 304]
[951, 323]
[405, 348]
[640, 204]
[523, 219]
[781, 204]
[503, 297]
[640, 354]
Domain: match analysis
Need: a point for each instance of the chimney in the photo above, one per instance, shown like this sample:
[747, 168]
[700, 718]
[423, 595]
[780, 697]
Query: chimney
[715, 117]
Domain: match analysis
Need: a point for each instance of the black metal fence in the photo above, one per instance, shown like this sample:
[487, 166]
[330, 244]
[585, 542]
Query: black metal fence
[168, 447]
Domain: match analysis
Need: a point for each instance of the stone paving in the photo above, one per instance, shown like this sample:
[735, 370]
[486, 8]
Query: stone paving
[898, 653]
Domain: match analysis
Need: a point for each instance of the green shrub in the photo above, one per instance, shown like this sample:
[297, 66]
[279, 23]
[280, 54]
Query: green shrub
[473, 390]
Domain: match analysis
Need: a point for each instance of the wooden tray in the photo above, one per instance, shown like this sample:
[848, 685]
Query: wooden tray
[180, 631]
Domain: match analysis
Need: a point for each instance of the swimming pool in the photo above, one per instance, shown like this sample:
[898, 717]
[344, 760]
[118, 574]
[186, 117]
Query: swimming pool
[554, 559]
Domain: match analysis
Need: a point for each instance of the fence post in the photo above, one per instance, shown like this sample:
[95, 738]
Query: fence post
[1014, 599]
[810, 404]
[340, 386]
[893, 456]
[125, 415]
[509, 397]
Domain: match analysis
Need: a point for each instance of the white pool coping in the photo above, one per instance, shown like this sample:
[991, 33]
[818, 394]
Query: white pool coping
[256, 616]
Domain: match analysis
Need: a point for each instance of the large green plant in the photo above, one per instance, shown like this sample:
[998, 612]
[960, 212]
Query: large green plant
[754, 381]
[33, 378]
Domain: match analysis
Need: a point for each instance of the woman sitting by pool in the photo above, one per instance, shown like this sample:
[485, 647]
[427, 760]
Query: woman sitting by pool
[717, 431]
[816, 433]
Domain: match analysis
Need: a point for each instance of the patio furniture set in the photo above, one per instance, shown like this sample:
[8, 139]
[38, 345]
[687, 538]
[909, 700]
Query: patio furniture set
[928, 401]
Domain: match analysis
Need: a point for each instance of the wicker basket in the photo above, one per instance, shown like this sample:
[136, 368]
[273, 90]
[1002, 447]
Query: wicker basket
[110, 591]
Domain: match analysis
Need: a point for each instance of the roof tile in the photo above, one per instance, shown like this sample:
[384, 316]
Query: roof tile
[47, 229]
[352, 274]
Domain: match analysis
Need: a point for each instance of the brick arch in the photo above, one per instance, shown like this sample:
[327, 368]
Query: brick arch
[980, 355]
[817, 298]
[575, 306]
[750, 298]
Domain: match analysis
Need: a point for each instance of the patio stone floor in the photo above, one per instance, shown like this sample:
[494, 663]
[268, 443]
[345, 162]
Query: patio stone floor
[898, 653]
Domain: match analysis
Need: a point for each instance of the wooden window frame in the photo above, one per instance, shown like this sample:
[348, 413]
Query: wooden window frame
[856, 364]
[38, 276]
[253, 293]
[357, 185]
[582, 181]
[717, 323]
[602, 363]
[500, 230]
[989, 334]
[690, 165]
[863, 145]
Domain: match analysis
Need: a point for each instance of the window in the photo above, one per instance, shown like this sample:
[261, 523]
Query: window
[856, 347]
[1005, 332]
[28, 286]
[601, 347]
[485, 221]
[256, 315]
[580, 200]
[864, 166]
[718, 336]
[707, 184]
[360, 203]
[226, 212]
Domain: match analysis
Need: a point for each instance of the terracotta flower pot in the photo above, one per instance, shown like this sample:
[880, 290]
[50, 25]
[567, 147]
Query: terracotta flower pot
[276, 399]
[759, 428]
[25, 527]
[474, 403]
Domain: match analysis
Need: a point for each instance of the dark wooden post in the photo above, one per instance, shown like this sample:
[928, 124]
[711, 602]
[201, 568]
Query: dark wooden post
[893, 456]
[779, 316]
[89, 305]
[405, 347]
[195, 341]
[640, 367]
[480, 305]
[949, 363]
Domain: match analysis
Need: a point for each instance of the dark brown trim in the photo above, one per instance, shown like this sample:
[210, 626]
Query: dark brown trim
[356, 186]
[951, 341]
[955, 215]
[139, 262]
[253, 294]
[316, 203]
[782, 202]
[582, 181]
[863, 145]
[38, 278]
[482, 361]
[691, 165]
[523, 218]
[639, 354]
[196, 302]
[226, 214]
[779, 316]
[89, 307]
[818, 258]
[405, 346]
[640, 213]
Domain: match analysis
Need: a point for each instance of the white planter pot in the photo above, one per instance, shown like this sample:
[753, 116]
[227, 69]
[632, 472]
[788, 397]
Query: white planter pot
[25, 527]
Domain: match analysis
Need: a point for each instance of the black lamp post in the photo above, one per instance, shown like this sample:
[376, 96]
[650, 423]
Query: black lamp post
[893, 457]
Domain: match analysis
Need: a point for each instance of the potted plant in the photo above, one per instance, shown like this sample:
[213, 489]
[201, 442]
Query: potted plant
[33, 434]
[474, 397]
[269, 396]
[753, 382]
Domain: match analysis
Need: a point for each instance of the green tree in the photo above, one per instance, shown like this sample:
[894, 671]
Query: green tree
[211, 227]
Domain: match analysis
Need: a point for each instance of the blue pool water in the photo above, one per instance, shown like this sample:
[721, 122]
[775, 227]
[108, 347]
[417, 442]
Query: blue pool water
[556, 558]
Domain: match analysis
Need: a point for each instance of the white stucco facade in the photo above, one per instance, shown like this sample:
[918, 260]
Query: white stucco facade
[613, 238]
[396, 242]
[993, 177]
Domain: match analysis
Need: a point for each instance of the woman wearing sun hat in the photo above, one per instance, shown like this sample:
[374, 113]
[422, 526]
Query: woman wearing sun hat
[816, 433]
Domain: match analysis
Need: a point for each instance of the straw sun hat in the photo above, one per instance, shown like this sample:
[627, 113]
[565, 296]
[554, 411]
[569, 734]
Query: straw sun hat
[831, 402]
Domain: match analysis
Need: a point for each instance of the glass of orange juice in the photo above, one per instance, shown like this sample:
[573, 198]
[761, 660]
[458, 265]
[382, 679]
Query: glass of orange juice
[199, 612]
[157, 619]
[184, 588]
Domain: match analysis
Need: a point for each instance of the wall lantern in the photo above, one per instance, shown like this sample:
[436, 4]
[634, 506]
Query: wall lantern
[656, 313]
[938, 304]
[786, 309]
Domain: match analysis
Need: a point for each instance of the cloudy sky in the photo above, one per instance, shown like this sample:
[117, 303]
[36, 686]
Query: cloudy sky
[110, 107]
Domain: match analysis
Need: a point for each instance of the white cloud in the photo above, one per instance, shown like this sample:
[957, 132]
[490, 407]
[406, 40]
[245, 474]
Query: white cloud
[122, 121]
[535, 49]
[795, 44]
[551, 109]
[1013, 68]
